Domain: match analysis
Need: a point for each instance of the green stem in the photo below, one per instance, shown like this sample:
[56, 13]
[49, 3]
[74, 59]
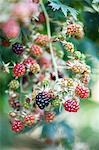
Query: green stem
[49, 35]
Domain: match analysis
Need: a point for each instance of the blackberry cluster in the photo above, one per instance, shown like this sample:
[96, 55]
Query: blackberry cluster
[17, 48]
[43, 99]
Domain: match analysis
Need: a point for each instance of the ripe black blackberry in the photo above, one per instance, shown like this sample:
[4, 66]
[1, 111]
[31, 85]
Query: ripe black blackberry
[43, 99]
[17, 48]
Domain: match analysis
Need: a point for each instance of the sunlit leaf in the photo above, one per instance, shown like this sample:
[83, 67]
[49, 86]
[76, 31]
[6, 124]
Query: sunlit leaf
[56, 5]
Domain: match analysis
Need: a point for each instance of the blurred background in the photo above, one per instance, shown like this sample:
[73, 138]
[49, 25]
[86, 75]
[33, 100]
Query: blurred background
[76, 131]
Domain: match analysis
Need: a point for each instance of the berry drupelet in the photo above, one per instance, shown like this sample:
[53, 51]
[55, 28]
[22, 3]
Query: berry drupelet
[17, 48]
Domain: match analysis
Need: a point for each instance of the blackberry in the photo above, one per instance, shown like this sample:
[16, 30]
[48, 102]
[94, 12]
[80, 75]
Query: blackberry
[43, 99]
[14, 84]
[17, 125]
[17, 48]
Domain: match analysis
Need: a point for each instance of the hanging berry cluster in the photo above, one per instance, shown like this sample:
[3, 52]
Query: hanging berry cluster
[43, 83]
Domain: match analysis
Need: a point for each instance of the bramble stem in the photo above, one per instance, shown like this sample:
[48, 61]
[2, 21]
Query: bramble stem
[49, 35]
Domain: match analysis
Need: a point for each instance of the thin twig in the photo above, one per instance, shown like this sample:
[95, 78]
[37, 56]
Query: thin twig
[49, 35]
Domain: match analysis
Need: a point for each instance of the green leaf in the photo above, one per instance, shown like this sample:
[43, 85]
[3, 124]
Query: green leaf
[72, 11]
[56, 5]
[64, 10]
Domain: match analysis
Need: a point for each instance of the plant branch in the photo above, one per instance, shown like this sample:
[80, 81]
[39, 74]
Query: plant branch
[49, 35]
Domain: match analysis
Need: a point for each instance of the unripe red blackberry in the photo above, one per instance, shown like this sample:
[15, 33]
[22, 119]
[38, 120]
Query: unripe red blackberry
[43, 99]
[19, 70]
[82, 91]
[14, 84]
[42, 40]
[71, 105]
[75, 30]
[79, 31]
[49, 116]
[17, 125]
[71, 29]
[29, 61]
[35, 68]
[29, 119]
[36, 50]
[11, 28]
[17, 48]
[69, 47]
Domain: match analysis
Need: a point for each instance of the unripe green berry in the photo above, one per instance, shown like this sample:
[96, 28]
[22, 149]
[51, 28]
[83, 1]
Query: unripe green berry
[14, 84]
[77, 54]
[26, 105]
[83, 57]
[56, 102]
